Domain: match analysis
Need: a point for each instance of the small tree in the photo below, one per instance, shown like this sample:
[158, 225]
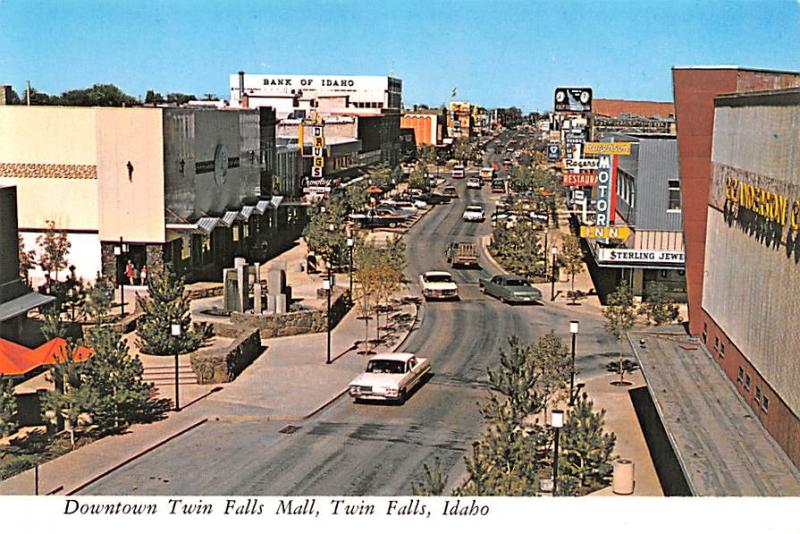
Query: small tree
[572, 259]
[8, 408]
[166, 305]
[659, 307]
[516, 379]
[27, 260]
[114, 378]
[620, 315]
[586, 447]
[97, 303]
[355, 196]
[551, 360]
[417, 179]
[70, 398]
[433, 482]
[367, 280]
[381, 175]
[54, 248]
[324, 232]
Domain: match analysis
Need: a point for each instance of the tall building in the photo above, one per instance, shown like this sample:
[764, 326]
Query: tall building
[430, 125]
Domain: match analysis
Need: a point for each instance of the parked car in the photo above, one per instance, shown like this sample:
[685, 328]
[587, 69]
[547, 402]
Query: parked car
[498, 186]
[389, 376]
[406, 205]
[438, 285]
[450, 191]
[463, 253]
[474, 213]
[433, 198]
[474, 183]
[380, 218]
[510, 289]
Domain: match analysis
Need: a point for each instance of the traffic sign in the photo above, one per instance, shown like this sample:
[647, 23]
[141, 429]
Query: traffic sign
[606, 232]
[621, 149]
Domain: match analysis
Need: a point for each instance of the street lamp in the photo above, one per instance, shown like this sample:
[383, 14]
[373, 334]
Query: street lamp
[327, 285]
[554, 253]
[351, 243]
[176, 332]
[120, 251]
[556, 421]
[573, 329]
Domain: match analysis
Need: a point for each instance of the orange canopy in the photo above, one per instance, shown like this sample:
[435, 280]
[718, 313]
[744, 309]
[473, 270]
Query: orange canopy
[18, 360]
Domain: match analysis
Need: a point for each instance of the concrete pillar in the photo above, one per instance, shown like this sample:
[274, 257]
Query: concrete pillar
[637, 284]
[280, 303]
[257, 299]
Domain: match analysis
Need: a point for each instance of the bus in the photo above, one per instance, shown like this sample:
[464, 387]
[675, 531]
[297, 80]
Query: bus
[488, 174]
[458, 171]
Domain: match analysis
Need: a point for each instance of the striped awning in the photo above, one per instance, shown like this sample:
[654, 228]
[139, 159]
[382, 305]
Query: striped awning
[262, 206]
[229, 218]
[246, 213]
[207, 224]
[276, 201]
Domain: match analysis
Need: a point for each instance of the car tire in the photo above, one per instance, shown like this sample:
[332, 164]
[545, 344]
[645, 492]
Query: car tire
[503, 300]
[401, 399]
[392, 225]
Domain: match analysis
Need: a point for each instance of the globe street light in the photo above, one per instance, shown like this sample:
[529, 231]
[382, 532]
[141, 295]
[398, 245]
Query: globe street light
[573, 329]
[351, 243]
[556, 421]
[176, 331]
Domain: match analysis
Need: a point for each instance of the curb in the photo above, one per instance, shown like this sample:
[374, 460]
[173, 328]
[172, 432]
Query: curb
[137, 455]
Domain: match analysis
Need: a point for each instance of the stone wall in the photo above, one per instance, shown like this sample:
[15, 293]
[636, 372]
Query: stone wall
[212, 367]
[293, 323]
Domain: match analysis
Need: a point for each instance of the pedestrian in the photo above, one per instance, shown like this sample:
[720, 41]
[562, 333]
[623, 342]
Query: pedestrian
[130, 270]
[144, 275]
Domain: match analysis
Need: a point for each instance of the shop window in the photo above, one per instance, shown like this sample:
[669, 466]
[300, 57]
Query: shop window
[674, 196]
[235, 233]
[747, 382]
[705, 333]
[740, 375]
[765, 404]
[186, 248]
[758, 394]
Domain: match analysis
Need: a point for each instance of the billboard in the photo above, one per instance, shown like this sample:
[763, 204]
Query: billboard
[606, 199]
[622, 149]
[577, 99]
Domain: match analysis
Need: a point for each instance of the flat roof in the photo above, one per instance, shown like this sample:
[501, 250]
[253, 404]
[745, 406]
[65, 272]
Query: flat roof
[721, 446]
[732, 67]
[772, 97]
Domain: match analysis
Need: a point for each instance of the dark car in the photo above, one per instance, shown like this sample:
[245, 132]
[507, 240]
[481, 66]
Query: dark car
[433, 198]
[510, 289]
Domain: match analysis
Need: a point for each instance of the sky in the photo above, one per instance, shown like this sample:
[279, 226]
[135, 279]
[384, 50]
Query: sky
[495, 53]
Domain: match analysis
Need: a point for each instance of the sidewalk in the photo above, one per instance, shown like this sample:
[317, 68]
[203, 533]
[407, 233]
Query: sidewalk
[289, 381]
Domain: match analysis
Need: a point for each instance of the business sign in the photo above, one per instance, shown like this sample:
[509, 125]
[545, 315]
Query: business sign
[573, 99]
[622, 149]
[553, 152]
[582, 163]
[575, 136]
[605, 232]
[606, 199]
[627, 255]
[581, 179]
[318, 163]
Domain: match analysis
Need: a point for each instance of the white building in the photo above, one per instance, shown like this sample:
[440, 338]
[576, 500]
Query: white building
[288, 93]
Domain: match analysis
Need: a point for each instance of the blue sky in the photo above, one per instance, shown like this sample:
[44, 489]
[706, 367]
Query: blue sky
[497, 53]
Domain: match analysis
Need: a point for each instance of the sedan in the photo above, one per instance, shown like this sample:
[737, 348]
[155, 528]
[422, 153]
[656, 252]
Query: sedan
[474, 213]
[389, 376]
[510, 289]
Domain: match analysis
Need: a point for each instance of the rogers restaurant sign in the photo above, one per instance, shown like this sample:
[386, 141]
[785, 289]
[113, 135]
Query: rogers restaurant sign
[581, 179]
[624, 255]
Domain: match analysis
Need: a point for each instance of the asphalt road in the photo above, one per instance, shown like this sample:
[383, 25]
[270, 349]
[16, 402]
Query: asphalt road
[374, 449]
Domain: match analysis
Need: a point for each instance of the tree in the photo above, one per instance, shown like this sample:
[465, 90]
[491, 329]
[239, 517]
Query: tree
[381, 175]
[97, 303]
[519, 249]
[106, 95]
[27, 260]
[366, 276]
[620, 315]
[151, 97]
[516, 379]
[433, 482]
[115, 381]
[427, 155]
[180, 98]
[325, 234]
[417, 179]
[70, 398]
[8, 408]
[586, 448]
[166, 305]
[38, 98]
[659, 307]
[355, 197]
[54, 248]
[390, 263]
[463, 150]
[12, 98]
[572, 259]
[551, 360]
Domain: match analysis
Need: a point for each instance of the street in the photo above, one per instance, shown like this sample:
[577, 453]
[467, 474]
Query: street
[372, 449]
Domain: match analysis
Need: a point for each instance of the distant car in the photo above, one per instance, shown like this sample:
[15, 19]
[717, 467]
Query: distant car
[474, 213]
[406, 205]
[463, 253]
[438, 285]
[474, 183]
[389, 377]
[450, 191]
[510, 289]
[433, 198]
[457, 172]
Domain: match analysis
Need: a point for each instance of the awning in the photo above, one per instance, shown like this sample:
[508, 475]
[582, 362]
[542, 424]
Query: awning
[21, 305]
[276, 201]
[17, 360]
[229, 218]
[207, 224]
[246, 213]
[262, 206]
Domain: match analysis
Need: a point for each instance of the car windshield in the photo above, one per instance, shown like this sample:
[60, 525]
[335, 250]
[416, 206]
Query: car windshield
[386, 366]
[516, 282]
[438, 278]
[474, 208]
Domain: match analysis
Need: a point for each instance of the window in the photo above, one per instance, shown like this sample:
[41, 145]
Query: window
[747, 382]
[722, 350]
[705, 334]
[716, 343]
[235, 233]
[674, 196]
[765, 404]
[740, 375]
[758, 394]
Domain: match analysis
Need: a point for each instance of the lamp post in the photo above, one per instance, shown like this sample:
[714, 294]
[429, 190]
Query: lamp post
[351, 243]
[573, 329]
[554, 253]
[176, 332]
[327, 285]
[556, 421]
[120, 251]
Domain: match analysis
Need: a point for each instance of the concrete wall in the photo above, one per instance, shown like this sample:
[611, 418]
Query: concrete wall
[9, 264]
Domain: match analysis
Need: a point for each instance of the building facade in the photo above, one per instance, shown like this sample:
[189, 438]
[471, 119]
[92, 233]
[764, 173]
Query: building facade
[751, 277]
[430, 126]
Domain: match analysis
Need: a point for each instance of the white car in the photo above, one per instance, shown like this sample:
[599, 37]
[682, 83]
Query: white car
[474, 213]
[474, 183]
[438, 285]
[399, 204]
[389, 376]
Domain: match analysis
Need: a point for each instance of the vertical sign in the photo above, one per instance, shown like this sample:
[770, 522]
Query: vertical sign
[606, 198]
[317, 150]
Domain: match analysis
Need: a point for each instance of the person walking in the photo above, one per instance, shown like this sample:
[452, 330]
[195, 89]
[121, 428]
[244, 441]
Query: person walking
[143, 274]
[130, 272]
